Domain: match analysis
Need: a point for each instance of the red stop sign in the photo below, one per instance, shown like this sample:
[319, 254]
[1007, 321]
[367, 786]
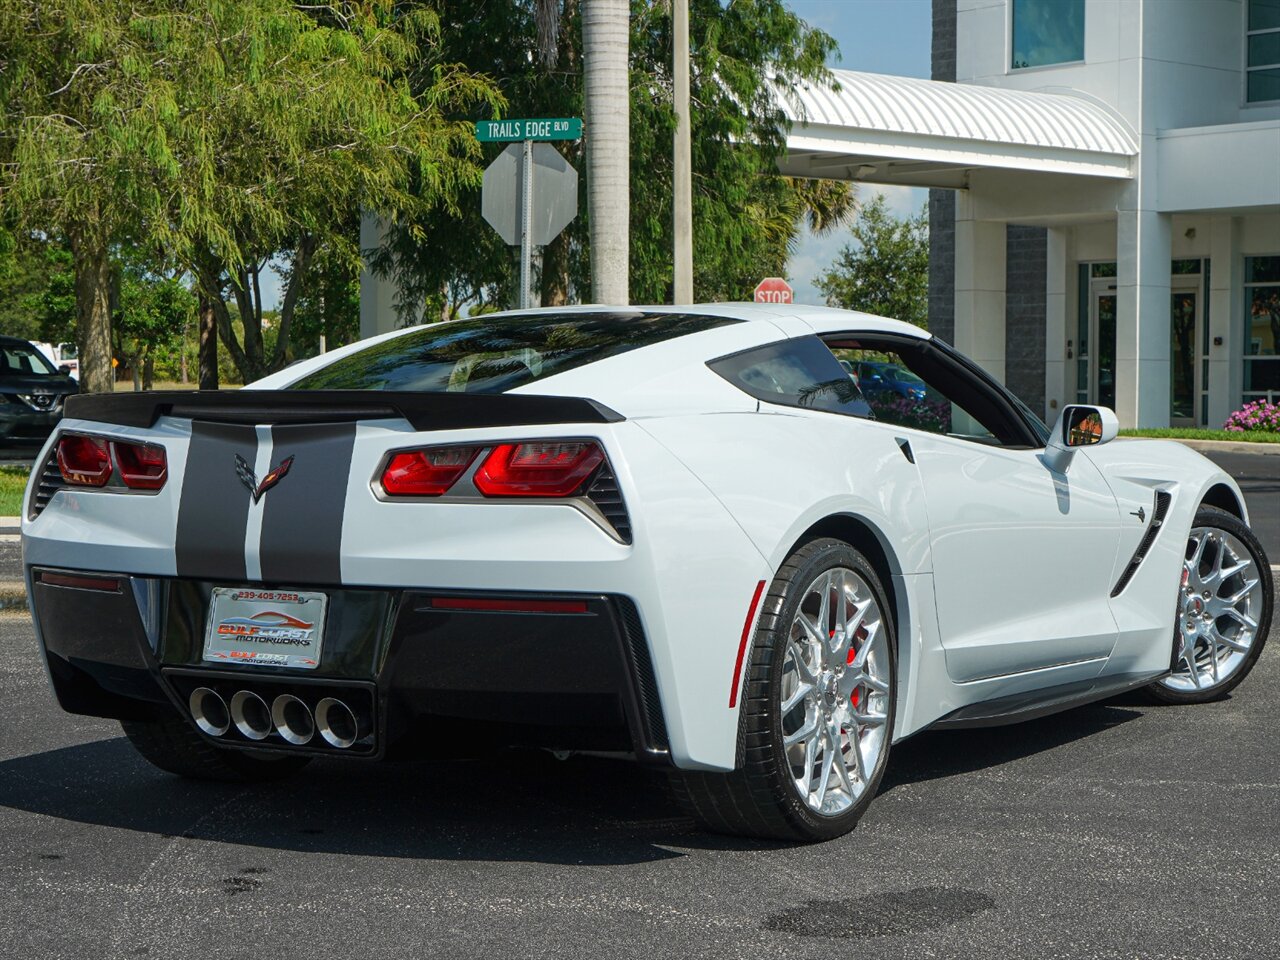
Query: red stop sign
[774, 290]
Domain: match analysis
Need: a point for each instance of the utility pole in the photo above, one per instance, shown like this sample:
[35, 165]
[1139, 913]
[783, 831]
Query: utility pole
[683, 287]
[606, 36]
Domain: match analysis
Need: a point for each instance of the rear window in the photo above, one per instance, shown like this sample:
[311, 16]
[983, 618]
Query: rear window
[496, 354]
[795, 373]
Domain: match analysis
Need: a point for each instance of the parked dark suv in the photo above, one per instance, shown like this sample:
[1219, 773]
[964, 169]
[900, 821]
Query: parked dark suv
[32, 391]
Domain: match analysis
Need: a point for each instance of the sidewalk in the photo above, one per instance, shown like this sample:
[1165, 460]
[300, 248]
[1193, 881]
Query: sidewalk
[1225, 446]
[13, 593]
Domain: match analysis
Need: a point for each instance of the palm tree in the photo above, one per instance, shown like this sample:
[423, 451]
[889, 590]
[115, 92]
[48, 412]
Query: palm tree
[605, 40]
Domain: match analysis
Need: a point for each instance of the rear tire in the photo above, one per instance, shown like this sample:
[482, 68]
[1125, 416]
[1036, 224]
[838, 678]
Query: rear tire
[1222, 620]
[172, 745]
[841, 650]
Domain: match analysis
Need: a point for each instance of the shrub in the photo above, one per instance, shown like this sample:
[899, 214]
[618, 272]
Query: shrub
[1257, 415]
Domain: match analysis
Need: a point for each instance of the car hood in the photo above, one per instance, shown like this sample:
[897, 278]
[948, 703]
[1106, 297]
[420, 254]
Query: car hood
[17, 383]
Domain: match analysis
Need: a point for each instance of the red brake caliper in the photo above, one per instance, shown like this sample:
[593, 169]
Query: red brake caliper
[859, 635]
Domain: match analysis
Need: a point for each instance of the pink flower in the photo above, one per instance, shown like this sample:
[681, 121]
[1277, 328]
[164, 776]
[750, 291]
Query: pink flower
[1255, 415]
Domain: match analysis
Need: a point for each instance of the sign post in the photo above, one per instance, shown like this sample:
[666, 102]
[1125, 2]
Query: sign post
[532, 178]
[774, 290]
[526, 226]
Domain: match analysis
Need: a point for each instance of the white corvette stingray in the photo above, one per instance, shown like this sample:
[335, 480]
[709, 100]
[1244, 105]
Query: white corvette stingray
[753, 545]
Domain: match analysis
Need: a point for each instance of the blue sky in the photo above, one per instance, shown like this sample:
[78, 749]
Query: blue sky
[876, 36]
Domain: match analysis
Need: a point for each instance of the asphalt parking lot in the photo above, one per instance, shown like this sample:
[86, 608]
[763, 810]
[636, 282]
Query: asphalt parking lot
[1259, 478]
[1115, 830]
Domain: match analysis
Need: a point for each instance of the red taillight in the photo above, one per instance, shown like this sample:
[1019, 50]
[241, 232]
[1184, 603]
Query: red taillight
[87, 462]
[84, 461]
[539, 469]
[428, 472]
[142, 465]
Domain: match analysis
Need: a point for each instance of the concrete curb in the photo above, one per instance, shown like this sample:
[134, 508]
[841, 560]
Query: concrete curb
[13, 595]
[1220, 446]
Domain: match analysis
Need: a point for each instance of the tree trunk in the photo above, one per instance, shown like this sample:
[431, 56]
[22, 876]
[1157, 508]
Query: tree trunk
[208, 349]
[148, 370]
[605, 43]
[297, 279]
[93, 311]
[555, 272]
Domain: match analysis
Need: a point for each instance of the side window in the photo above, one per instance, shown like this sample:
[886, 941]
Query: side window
[916, 385]
[796, 373]
[898, 396]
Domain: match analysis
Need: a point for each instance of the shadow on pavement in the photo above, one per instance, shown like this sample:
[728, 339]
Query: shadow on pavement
[510, 808]
[513, 807]
[948, 753]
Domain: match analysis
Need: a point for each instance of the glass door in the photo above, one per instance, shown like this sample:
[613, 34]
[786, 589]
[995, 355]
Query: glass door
[1102, 376]
[1183, 372]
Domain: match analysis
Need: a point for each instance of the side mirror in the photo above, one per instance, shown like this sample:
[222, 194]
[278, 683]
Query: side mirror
[1078, 426]
[65, 369]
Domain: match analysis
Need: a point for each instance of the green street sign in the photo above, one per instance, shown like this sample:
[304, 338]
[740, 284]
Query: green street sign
[561, 128]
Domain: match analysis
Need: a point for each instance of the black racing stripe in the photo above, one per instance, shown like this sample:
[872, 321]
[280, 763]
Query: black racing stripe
[302, 515]
[214, 508]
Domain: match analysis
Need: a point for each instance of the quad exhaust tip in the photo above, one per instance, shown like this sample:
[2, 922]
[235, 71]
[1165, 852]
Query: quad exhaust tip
[337, 723]
[251, 715]
[287, 715]
[209, 711]
[293, 719]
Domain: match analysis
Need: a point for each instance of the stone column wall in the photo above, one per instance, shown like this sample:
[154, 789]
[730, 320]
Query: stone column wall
[942, 203]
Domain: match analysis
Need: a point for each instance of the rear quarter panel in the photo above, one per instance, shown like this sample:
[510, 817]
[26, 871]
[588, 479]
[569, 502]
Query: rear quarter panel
[779, 473]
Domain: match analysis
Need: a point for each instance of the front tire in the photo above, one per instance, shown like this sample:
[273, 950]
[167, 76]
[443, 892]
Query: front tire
[817, 710]
[1224, 610]
[171, 744]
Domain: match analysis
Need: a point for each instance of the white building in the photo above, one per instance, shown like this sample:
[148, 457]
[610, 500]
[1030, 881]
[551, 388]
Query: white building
[1106, 218]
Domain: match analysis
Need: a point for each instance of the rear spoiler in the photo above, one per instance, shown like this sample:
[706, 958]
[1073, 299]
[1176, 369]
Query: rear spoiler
[424, 411]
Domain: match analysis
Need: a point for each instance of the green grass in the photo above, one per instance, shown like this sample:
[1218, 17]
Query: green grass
[13, 481]
[126, 386]
[1196, 433]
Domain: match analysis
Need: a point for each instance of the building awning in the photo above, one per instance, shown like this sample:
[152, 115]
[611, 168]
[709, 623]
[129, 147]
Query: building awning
[887, 129]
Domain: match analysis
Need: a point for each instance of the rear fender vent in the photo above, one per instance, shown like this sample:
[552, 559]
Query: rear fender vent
[50, 483]
[604, 493]
[1158, 511]
[649, 703]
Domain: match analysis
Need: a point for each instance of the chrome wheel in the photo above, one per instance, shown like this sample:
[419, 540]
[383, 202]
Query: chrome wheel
[1219, 607]
[835, 691]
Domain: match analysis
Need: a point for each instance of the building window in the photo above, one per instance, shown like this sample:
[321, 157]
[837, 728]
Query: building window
[1048, 31]
[1262, 327]
[1262, 74]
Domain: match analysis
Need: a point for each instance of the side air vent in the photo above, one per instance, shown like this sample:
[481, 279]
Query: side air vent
[650, 704]
[604, 493]
[50, 483]
[1158, 511]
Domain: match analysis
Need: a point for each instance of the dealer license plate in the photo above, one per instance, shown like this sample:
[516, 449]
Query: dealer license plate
[270, 628]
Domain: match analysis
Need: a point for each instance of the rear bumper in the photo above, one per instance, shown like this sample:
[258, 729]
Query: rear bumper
[437, 679]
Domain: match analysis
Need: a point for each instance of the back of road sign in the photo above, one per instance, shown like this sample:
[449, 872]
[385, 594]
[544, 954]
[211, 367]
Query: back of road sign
[555, 194]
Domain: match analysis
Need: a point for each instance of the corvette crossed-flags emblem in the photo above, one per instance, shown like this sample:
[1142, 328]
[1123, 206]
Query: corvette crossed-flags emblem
[255, 487]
